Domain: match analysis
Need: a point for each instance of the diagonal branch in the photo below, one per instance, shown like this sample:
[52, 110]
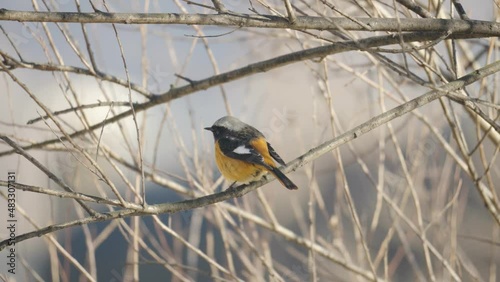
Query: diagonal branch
[460, 9]
[81, 107]
[45, 170]
[263, 66]
[297, 163]
[68, 195]
[411, 5]
[219, 6]
[291, 13]
[12, 63]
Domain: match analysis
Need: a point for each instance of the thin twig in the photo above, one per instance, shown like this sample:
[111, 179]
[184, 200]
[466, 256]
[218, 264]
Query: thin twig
[333, 8]
[213, 36]
[200, 5]
[12, 63]
[45, 170]
[219, 6]
[291, 13]
[134, 118]
[81, 107]
[411, 5]
[263, 66]
[460, 10]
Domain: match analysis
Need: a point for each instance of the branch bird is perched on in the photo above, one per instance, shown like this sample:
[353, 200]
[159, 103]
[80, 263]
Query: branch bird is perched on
[242, 153]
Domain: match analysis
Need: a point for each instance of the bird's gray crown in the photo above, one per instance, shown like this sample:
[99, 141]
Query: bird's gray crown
[230, 123]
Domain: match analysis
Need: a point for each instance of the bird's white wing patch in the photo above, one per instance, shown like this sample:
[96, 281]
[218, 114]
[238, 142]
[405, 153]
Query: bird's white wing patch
[242, 150]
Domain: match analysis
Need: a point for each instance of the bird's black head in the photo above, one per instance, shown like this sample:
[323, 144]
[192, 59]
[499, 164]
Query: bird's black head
[217, 131]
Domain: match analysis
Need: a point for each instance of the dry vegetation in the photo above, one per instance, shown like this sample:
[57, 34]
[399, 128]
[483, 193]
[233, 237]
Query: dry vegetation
[387, 111]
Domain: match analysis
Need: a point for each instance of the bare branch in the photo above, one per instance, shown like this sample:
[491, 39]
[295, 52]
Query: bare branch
[460, 10]
[12, 63]
[65, 194]
[82, 107]
[472, 28]
[219, 6]
[411, 5]
[45, 170]
[263, 66]
[291, 13]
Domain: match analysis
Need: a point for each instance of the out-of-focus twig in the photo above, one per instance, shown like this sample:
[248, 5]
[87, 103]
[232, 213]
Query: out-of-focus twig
[291, 13]
[219, 6]
[470, 28]
[412, 6]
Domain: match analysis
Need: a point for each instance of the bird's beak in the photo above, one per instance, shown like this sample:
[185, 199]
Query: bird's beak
[208, 128]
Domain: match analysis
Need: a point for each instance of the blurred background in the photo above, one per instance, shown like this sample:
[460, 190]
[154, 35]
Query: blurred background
[401, 201]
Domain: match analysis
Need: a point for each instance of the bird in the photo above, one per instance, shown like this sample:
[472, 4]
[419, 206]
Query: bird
[243, 154]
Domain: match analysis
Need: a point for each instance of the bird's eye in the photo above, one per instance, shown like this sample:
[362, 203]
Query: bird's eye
[218, 130]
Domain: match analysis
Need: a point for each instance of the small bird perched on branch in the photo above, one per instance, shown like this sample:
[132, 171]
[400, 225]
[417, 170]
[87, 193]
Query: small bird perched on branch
[242, 153]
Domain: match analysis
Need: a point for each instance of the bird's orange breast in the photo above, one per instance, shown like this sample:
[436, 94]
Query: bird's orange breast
[236, 170]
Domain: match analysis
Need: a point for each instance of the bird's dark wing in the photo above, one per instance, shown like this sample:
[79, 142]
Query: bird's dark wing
[275, 155]
[238, 149]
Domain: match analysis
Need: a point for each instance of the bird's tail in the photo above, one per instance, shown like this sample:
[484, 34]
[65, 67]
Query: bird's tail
[283, 179]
